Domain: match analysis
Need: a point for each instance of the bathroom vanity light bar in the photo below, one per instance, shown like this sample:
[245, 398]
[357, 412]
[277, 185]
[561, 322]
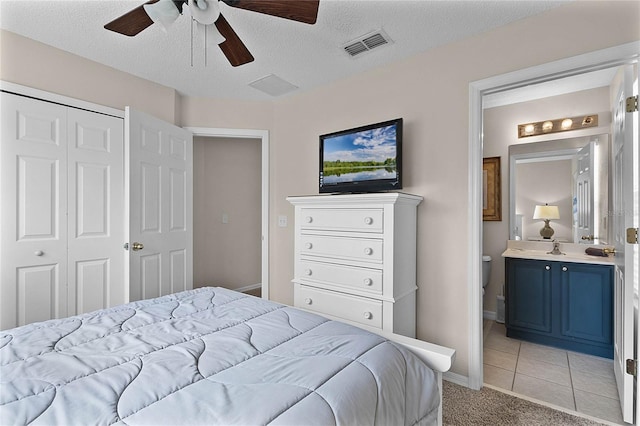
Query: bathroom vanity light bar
[558, 125]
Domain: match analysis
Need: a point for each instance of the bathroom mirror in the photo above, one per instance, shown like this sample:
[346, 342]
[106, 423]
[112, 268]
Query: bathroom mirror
[571, 174]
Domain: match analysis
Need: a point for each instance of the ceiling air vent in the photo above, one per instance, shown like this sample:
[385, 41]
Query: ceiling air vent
[367, 42]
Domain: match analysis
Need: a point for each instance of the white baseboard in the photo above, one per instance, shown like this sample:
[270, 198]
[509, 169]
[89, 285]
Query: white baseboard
[456, 378]
[490, 315]
[248, 288]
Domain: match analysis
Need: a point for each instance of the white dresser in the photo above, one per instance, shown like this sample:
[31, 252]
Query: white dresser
[355, 258]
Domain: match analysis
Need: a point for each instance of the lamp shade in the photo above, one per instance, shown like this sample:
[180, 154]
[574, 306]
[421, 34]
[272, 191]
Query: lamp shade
[546, 212]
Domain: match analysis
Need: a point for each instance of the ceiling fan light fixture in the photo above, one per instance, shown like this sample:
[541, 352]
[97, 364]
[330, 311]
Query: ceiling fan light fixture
[163, 12]
[207, 15]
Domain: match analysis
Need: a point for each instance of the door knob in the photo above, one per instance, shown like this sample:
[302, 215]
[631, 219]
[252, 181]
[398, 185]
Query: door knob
[137, 246]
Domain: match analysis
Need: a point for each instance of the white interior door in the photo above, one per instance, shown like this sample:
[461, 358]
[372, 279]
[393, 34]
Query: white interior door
[95, 211]
[160, 206]
[33, 250]
[624, 203]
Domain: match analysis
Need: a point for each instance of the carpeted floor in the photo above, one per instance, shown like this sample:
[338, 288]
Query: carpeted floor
[463, 406]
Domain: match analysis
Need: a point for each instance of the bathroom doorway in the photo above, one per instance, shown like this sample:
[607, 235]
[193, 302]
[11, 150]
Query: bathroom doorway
[478, 90]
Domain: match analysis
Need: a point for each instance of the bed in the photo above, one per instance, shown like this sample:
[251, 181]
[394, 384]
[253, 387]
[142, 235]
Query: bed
[214, 356]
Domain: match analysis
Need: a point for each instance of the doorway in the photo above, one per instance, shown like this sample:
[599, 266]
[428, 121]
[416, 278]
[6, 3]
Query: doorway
[607, 58]
[249, 138]
[226, 213]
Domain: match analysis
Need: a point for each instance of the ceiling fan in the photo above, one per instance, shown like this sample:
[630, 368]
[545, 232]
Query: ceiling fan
[207, 12]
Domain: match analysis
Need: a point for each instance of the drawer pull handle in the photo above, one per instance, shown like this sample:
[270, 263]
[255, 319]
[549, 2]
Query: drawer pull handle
[368, 281]
[368, 220]
[565, 269]
[367, 315]
[307, 271]
[308, 300]
[38, 252]
[308, 246]
[547, 267]
[368, 251]
[308, 219]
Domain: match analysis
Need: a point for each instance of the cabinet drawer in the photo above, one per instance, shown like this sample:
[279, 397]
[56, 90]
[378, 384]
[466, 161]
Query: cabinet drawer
[358, 249]
[365, 279]
[341, 305]
[354, 220]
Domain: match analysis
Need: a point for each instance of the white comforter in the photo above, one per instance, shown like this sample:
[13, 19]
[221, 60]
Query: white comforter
[209, 356]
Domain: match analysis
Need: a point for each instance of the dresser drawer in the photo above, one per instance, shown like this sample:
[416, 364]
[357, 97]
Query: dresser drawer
[344, 248]
[365, 279]
[341, 305]
[354, 220]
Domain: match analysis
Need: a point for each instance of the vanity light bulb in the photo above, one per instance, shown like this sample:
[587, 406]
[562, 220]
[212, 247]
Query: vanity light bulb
[566, 123]
[529, 128]
[547, 126]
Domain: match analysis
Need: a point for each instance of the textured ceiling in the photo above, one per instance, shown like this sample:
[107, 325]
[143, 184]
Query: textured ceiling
[307, 56]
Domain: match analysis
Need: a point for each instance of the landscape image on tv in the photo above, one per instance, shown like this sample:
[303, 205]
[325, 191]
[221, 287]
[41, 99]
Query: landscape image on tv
[360, 156]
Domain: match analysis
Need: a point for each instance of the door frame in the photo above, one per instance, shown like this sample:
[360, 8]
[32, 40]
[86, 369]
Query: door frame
[43, 95]
[263, 136]
[599, 59]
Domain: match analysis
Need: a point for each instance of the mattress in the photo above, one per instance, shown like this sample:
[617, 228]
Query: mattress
[209, 356]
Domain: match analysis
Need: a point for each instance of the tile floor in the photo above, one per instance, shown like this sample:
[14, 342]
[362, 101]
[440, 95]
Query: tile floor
[575, 381]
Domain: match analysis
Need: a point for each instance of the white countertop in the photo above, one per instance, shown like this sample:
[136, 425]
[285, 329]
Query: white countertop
[540, 251]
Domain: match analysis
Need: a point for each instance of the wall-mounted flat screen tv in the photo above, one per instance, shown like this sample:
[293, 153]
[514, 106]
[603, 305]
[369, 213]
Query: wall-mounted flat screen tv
[363, 159]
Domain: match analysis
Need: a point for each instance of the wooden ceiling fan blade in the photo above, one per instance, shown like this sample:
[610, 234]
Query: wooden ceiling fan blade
[233, 48]
[297, 10]
[131, 23]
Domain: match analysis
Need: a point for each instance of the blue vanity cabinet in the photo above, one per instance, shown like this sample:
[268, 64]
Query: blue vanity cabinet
[529, 295]
[587, 302]
[563, 304]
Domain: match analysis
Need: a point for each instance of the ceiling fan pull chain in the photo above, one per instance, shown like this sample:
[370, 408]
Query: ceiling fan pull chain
[205, 45]
[192, 21]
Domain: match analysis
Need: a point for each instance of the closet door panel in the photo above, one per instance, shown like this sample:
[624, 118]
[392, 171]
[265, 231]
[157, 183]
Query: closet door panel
[33, 211]
[39, 293]
[96, 211]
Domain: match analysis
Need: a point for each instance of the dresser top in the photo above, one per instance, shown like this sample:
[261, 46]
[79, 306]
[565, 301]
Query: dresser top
[366, 198]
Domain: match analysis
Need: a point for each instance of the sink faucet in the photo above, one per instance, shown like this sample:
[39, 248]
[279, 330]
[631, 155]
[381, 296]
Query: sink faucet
[556, 248]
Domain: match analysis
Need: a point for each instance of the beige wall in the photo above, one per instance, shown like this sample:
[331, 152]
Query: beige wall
[34, 64]
[429, 90]
[227, 181]
[500, 131]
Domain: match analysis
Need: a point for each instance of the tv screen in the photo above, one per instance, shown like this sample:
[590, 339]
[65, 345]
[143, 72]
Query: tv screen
[363, 159]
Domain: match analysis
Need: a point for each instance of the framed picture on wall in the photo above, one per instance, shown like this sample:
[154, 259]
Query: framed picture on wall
[491, 189]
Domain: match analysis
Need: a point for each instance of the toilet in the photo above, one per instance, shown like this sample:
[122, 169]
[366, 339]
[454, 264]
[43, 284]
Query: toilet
[486, 271]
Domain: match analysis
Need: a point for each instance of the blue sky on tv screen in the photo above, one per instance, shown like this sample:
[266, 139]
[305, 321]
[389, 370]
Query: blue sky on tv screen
[368, 145]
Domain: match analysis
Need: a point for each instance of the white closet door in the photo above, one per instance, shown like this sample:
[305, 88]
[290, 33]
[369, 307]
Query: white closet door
[161, 199]
[33, 249]
[96, 211]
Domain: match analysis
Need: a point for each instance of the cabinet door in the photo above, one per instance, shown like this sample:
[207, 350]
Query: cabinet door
[529, 295]
[587, 292]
